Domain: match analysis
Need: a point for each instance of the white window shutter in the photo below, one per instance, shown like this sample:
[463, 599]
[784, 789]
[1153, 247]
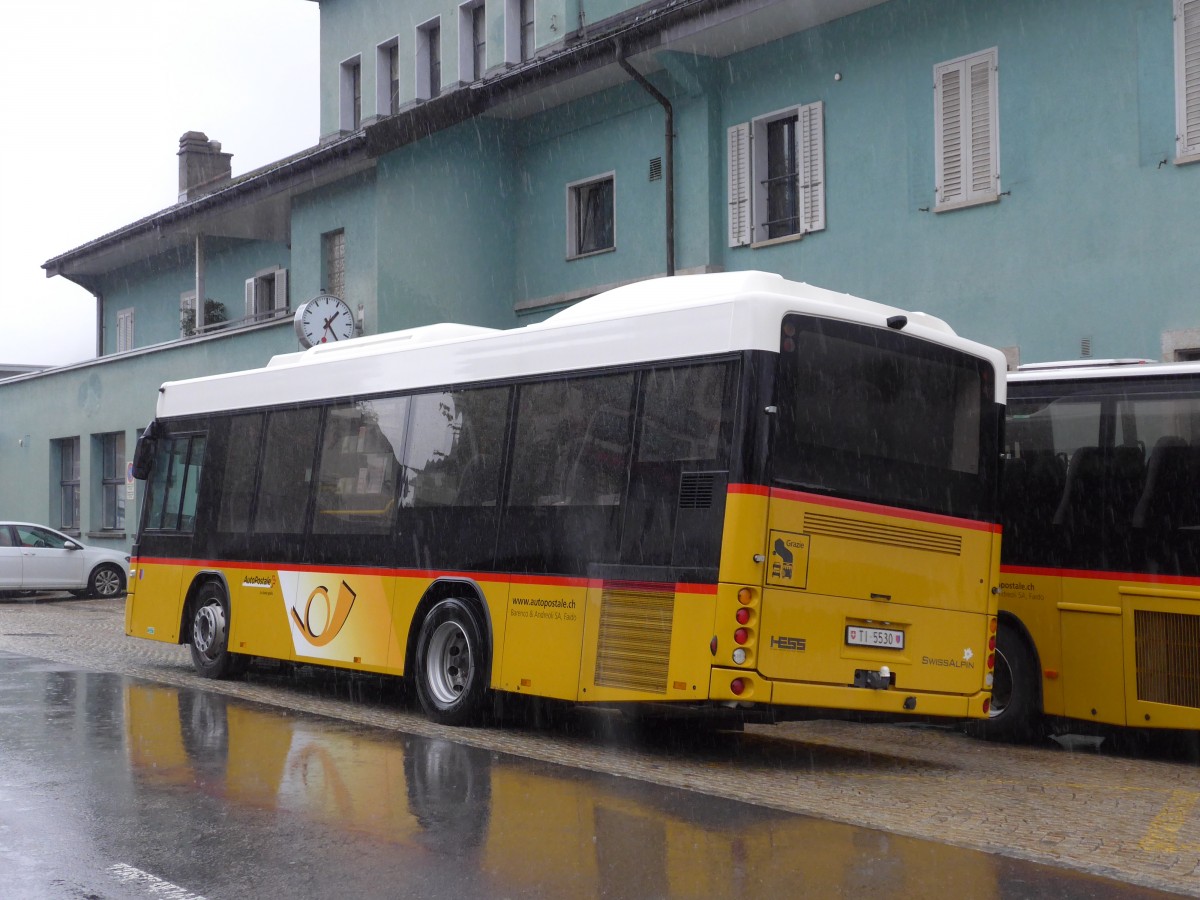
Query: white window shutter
[124, 330]
[281, 297]
[250, 310]
[739, 184]
[810, 139]
[983, 127]
[1187, 77]
[966, 123]
[947, 104]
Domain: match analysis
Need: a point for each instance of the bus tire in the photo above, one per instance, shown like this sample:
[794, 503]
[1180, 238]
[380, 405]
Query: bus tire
[1015, 714]
[451, 664]
[210, 635]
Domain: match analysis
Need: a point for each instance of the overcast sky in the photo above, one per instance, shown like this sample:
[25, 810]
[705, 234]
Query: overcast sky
[94, 95]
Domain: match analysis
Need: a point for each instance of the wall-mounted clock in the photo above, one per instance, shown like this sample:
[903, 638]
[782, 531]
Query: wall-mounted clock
[322, 319]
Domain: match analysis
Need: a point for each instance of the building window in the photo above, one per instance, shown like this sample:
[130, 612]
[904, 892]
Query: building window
[776, 173]
[518, 30]
[1187, 80]
[333, 263]
[112, 480]
[266, 294]
[591, 226]
[472, 41]
[429, 60]
[387, 77]
[68, 482]
[187, 314]
[124, 330]
[351, 96]
[966, 131]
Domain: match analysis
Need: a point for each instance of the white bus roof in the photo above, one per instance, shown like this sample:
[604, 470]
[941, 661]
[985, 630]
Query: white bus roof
[1090, 370]
[658, 319]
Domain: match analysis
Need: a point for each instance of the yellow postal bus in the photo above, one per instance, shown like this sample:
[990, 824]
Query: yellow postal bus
[721, 489]
[1100, 610]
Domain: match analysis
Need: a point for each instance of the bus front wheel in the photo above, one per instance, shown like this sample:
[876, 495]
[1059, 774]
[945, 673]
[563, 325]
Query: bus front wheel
[451, 670]
[1015, 713]
[210, 636]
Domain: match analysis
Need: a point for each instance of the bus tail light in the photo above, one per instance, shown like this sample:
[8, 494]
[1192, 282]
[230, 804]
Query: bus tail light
[741, 636]
[737, 687]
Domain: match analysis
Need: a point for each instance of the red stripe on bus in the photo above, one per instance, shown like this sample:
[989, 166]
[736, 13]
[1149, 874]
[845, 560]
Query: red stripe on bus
[881, 510]
[542, 580]
[759, 490]
[1096, 574]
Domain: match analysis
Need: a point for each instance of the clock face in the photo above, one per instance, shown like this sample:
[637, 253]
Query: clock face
[324, 319]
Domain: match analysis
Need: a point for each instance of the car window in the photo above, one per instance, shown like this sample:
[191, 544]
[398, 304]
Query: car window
[40, 537]
[6, 539]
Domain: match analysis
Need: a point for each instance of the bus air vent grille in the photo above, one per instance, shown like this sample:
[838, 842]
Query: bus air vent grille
[1167, 647]
[634, 646]
[876, 533]
[696, 490]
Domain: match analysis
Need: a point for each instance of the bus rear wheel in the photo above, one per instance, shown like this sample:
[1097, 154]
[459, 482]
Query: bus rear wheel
[210, 636]
[451, 668]
[1015, 713]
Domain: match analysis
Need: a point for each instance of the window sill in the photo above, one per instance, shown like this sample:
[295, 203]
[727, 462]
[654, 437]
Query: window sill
[771, 242]
[107, 535]
[965, 204]
[1188, 159]
[592, 253]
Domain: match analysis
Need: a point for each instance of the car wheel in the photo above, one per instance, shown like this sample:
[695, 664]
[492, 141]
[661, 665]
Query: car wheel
[107, 581]
[210, 635]
[451, 665]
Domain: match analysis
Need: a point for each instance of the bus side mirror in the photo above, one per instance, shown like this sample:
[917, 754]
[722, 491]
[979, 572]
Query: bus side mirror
[143, 453]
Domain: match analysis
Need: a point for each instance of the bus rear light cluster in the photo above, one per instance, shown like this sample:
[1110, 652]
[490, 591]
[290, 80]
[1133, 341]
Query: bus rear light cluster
[745, 615]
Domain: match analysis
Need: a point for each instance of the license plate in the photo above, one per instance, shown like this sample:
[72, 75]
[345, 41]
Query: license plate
[888, 638]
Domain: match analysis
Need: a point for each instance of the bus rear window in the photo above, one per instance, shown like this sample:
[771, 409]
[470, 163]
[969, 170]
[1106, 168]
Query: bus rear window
[885, 417]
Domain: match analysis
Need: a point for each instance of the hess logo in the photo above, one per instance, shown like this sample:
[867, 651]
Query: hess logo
[323, 616]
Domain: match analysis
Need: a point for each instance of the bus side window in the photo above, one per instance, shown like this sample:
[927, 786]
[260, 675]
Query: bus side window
[287, 471]
[357, 477]
[239, 473]
[452, 456]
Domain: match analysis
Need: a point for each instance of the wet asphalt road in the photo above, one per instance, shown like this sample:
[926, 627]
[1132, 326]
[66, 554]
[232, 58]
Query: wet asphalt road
[117, 787]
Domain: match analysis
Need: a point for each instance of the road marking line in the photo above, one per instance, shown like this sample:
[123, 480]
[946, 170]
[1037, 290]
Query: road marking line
[1162, 835]
[127, 874]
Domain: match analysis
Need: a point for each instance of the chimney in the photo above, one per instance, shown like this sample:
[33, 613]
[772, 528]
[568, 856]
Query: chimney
[202, 166]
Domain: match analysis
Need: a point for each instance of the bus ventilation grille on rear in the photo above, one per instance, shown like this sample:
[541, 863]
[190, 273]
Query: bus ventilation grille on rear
[875, 533]
[634, 646]
[1167, 647]
[696, 490]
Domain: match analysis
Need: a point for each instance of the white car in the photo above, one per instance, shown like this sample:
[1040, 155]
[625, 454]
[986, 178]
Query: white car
[37, 558]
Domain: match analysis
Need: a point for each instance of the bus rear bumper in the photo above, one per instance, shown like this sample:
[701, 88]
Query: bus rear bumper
[741, 686]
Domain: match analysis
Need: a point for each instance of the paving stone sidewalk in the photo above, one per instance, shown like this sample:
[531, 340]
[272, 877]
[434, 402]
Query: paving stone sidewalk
[1131, 819]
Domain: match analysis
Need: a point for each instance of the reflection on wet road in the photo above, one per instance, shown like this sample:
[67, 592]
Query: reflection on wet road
[115, 788]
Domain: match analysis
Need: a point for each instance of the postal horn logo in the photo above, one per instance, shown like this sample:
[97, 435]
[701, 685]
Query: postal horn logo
[323, 618]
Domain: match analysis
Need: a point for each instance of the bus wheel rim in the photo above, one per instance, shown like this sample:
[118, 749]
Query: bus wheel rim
[209, 630]
[448, 666]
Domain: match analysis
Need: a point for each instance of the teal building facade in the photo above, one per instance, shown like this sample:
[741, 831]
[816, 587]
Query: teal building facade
[1019, 168]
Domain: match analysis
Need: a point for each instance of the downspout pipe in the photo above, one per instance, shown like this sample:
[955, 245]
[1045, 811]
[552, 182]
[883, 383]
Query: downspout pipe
[668, 151]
